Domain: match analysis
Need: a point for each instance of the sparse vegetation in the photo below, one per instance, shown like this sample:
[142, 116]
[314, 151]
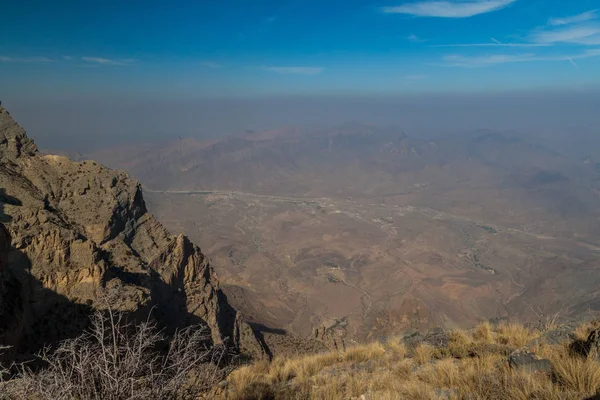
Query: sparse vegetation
[473, 365]
[117, 360]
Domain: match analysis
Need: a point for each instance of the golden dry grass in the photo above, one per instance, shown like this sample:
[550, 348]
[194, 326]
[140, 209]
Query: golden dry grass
[584, 330]
[576, 373]
[461, 371]
[423, 354]
[514, 334]
[483, 333]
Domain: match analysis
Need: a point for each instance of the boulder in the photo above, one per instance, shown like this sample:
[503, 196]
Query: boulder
[435, 337]
[528, 361]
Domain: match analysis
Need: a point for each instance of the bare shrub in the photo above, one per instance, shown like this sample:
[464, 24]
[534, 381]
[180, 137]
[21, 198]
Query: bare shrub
[3, 370]
[117, 360]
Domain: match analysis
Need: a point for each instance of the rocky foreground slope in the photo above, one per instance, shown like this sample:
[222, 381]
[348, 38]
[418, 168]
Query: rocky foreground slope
[506, 361]
[78, 237]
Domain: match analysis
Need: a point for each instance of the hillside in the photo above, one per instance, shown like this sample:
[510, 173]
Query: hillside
[505, 361]
[79, 238]
[361, 231]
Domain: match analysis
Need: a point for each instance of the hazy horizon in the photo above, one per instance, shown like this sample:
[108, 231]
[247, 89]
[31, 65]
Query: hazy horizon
[88, 124]
[83, 75]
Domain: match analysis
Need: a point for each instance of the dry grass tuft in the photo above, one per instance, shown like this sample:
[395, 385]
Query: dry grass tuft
[483, 333]
[397, 347]
[576, 373]
[403, 370]
[515, 335]
[584, 330]
[415, 390]
[442, 374]
[460, 344]
[284, 370]
[423, 354]
[246, 377]
[364, 353]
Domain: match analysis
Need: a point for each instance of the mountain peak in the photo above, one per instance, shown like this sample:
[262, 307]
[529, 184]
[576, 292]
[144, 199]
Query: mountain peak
[14, 139]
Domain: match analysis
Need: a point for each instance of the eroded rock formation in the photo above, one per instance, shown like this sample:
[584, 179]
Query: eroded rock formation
[82, 239]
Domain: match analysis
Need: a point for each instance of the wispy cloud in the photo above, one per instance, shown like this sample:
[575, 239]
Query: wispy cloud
[592, 53]
[296, 70]
[573, 63]
[449, 9]
[271, 19]
[415, 39]
[107, 61]
[211, 64]
[456, 60]
[580, 29]
[25, 59]
[586, 16]
[573, 34]
[492, 43]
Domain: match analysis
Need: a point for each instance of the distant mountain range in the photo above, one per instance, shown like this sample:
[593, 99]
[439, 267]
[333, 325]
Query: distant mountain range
[367, 231]
[361, 161]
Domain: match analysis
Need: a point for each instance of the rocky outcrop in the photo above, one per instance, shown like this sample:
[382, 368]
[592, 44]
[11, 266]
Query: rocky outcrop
[528, 361]
[82, 239]
[4, 249]
[332, 334]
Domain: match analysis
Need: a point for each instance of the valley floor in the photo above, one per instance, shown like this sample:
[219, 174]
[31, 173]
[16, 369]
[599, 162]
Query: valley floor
[377, 267]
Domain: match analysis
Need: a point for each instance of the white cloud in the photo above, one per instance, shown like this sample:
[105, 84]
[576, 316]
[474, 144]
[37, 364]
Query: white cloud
[296, 70]
[592, 52]
[415, 39]
[589, 41]
[494, 43]
[573, 34]
[26, 59]
[577, 29]
[456, 60]
[573, 63]
[586, 16]
[107, 61]
[449, 9]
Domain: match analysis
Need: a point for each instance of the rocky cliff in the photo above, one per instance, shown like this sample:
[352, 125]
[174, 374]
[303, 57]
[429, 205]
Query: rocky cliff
[82, 239]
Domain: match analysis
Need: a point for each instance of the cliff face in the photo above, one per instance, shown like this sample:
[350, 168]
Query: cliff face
[82, 239]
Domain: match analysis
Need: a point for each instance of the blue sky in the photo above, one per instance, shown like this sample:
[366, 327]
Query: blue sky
[246, 48]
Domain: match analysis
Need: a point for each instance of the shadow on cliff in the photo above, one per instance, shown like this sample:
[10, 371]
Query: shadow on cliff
[33, 317]
[259, 331]
[7, 199]
[36, 318]
[170, 308]
[169, 302]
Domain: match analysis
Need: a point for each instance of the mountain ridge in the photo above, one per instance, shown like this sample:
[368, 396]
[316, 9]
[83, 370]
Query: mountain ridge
[79, 238]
